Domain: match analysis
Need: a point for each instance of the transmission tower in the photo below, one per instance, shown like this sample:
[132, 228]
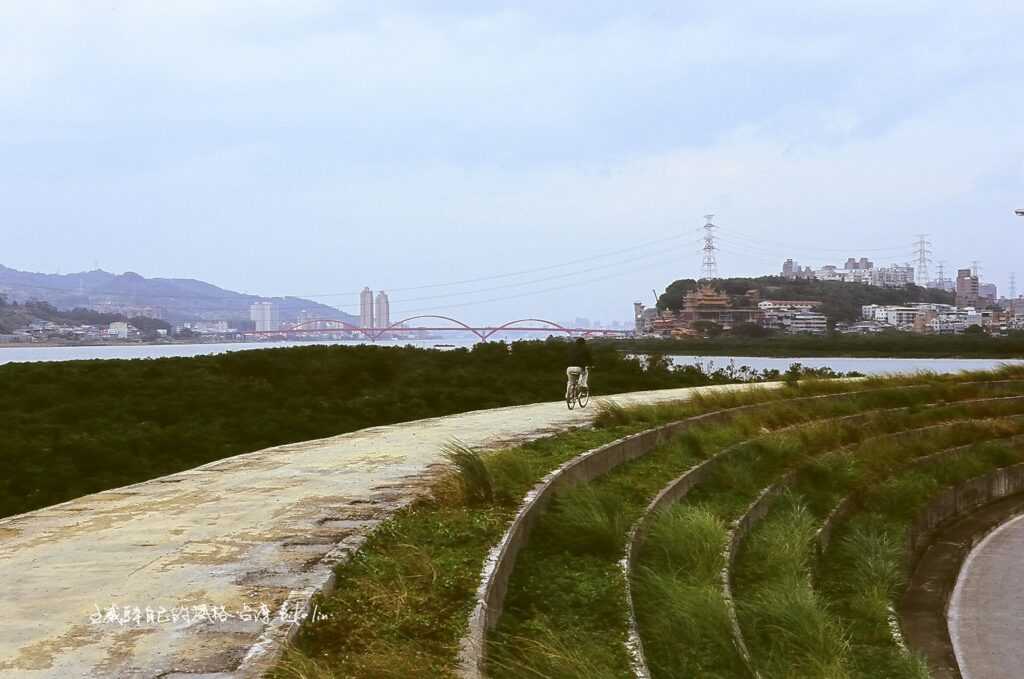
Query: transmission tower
[942, 275]
[922, 250]
[1013, 294]
[709, 265]
[976, 269]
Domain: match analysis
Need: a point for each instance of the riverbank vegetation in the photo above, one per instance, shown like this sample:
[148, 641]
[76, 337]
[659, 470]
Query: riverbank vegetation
[77, 427]
[882, 345]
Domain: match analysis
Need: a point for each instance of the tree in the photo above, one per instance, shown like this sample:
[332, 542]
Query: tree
[974, 330]
[750, 330]
[708, 328]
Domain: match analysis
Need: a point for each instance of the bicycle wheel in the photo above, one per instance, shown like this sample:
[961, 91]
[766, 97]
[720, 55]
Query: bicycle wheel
[570, 399]
[583, 397]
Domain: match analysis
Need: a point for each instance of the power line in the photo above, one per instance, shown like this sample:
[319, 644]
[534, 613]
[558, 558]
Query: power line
[560, 276]
[532, 292]
[757, 239]
[511, 274]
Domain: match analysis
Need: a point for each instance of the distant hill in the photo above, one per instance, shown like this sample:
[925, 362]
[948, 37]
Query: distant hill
[176, 299]
[839, 301]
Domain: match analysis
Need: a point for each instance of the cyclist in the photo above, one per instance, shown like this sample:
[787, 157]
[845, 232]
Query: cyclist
[577, 365]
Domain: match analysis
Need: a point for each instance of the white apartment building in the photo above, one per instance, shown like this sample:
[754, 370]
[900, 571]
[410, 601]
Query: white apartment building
[118, 329]
[902, 317]
[808, 322]
[796, 305]
[264, 316]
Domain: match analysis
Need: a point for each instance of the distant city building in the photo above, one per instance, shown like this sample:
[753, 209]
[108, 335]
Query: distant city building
[781, 314]
[855, 270]
[808, 322]
[966, 288]
[366, 308]
[210, 327]
[797, 304]
[382, 310]
[264, 316]
[922, 317]
[792, 271]
[989, 292]
[862, 263]
[118, 329]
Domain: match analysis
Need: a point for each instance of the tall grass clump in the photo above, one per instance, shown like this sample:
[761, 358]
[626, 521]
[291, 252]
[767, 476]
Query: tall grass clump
[476, 479]
[593, 521]
[789, 630]
[682, 616]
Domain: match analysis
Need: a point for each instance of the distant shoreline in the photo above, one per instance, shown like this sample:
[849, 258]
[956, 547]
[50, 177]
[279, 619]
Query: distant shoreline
[842, 346]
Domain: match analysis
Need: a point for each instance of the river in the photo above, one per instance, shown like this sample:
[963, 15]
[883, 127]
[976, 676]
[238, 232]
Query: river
[867, 366]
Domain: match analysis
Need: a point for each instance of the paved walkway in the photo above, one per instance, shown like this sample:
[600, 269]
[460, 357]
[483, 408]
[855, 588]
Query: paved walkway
[224, 539]
[986, 612]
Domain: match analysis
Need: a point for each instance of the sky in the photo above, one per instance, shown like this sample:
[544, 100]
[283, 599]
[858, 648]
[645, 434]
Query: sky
[495, 161]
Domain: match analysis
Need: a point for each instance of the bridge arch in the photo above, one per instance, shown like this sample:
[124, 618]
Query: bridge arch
[443, 318]
[507, 326]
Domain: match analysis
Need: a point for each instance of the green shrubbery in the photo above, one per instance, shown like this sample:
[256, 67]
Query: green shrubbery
[78, 427]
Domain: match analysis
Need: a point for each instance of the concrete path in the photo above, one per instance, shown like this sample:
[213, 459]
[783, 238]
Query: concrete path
[197, 574]
[986, 612]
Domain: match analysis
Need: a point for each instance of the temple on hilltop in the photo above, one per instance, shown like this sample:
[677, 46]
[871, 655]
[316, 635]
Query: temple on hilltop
[707, 303]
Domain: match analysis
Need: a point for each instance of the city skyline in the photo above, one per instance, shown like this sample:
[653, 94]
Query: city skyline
[313, 147]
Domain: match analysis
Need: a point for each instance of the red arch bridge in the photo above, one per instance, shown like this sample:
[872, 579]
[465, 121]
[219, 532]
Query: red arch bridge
[322, 325]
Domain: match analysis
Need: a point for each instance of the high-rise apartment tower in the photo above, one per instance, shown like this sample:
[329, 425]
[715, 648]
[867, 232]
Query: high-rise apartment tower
[382, 310]
[366, 308]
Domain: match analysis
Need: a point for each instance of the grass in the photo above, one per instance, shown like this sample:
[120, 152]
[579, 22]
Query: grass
[753, 467]
[400, 604]
[790, 626]
[864, 573]
[567, 586]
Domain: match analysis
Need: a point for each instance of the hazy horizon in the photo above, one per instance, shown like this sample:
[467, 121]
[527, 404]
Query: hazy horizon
[311, 148]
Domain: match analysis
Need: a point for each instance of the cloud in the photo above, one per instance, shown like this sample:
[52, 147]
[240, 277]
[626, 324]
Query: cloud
[413, 143]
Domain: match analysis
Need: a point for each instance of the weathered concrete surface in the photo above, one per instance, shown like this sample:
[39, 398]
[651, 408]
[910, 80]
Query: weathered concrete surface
[986, 613]
[261, 528]
[923, 606]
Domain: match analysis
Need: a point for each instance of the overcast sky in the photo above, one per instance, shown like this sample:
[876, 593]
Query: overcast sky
[307, 147]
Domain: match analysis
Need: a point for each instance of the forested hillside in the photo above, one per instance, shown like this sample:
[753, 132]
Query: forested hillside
[840, 301]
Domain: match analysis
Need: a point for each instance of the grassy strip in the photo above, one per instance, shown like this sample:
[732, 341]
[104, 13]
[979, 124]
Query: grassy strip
[787, 625]
[669, 652]
[564, 615]
[400, 604]
[864, 574]
[564, 611]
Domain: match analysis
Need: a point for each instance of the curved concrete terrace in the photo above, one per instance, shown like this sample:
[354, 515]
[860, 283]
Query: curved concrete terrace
[219, 542]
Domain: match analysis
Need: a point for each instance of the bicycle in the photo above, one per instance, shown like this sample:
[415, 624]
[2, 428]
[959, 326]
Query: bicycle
[579, 392]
